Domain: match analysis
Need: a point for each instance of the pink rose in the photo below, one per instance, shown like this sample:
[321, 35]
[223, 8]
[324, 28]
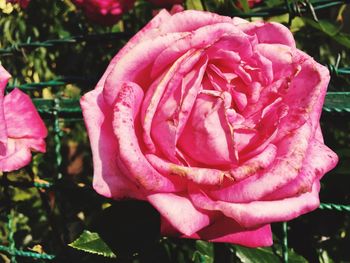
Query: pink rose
[251, 3]
[215, 122]
[21, 128]
[105, 12]
[165, 3]
[22, 3]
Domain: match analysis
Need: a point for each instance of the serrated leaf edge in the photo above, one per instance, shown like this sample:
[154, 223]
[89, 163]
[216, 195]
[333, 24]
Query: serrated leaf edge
[73, 245]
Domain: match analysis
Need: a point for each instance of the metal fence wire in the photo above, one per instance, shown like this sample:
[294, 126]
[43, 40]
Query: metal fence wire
[61, 110]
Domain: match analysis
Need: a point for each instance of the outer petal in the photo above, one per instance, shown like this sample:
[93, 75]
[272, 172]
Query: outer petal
[191, 20]
[258, 213]
[22, 118]
[17, 156]
[17, 152]
[108, 179]
[133, 160]
[135, 64]
[305, 95]
[180, 212]
[319, 160]
[4, 77]
[228, 231]
[269, 33]
[21, 128]
[150, 31]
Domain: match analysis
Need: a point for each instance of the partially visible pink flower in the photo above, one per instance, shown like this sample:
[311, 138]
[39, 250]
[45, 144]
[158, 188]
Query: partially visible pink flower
[165, 3]
[251, 3]
[105, 12]
[22, 3]
[21, 128]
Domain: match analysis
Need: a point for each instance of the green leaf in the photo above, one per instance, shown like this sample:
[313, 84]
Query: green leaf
[265, 255]
[92, 243]
[261, 255]
[21, 195]
[194, 4]
[297, 24]
[245, 5]
[204, 252]
[331, 30]
[273, 3]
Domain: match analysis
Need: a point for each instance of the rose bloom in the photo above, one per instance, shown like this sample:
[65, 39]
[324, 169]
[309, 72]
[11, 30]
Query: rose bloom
[21, 128]
[22, 3]
[251, 3]
[165, 3]
[215, 122]
[105, 12]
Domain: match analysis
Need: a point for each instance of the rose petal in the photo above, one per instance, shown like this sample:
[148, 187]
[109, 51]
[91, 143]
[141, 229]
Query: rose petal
[198, 175]
[258, 213]
[180, 212]
[154, 34]
[305, 95]
[158, 88]
[175, 108]
[291, 153]
[191, 20]
[139, 169]
[280, 57]
[4, 77]
[319, 160]
[228, 231]
[207, 137]
[223, 34]
[17, 156]
[269, 33]
[255, 164]
[21, 116]
[108, 178]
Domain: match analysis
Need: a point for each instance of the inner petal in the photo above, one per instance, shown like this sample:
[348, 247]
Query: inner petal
[208, 136]
[175, 107]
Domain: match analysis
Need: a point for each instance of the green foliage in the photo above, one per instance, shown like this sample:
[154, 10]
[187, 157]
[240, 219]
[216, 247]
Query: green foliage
[92, 243]
[245, 5]
[194, 4]
[204, 252]
[330, 30]
[265, 255]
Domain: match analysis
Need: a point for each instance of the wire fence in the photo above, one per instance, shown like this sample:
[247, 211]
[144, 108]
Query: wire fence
[63, 110]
